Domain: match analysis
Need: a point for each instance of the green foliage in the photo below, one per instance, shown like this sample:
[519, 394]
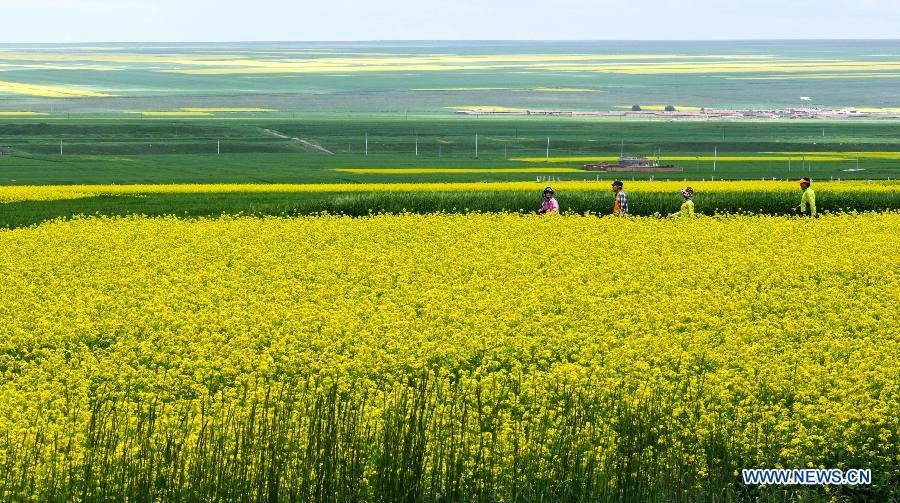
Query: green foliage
[19, 214]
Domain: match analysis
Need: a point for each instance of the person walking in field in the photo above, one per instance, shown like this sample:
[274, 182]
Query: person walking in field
[687, 207]
[550, 205]
[620, 207]
[808, 200]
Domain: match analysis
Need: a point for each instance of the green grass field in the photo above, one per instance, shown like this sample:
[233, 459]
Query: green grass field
[136, 151]
[139, 151]
[102, 113]
[25, 213]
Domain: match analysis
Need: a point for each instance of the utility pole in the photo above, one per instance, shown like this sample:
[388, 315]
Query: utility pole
[60, 146]
[367, 143]
[548, 148]
[417, 143]
[476, 145]
[715, 156]
[218, 146]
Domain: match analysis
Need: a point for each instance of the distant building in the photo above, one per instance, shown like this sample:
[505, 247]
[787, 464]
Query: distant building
[5, 151]
[632, 164]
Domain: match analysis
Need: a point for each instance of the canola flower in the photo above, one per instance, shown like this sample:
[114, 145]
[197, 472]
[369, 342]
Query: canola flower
[177, 113]
[854, 75]
[230, 110]
[793, 66]
[47, 91]
[350, 62]
[444, 356]
[21, 114]
[845, 155]
[512, 89]
[784, 157]
[346, 58]
[451, 171]
[9, 193]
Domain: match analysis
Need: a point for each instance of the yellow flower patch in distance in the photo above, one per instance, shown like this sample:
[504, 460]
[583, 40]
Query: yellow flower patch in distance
[48, 91]
[21, 114]
[828, 76]
[229, 109]
[451, 171]
[843, 155]
[172, 113]
[721, 158]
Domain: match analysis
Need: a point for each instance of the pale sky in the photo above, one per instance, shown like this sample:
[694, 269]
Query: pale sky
[32, 21]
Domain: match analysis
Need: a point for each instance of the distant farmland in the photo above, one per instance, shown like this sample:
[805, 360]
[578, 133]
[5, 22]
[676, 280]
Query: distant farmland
[386, 112]
[434, 78]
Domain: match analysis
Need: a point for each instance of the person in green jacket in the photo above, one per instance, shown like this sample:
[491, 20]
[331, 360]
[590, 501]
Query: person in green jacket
[807, 201]
[687, 207]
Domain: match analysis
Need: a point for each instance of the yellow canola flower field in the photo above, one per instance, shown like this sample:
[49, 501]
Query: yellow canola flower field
[48, 91]
[830, 76]
[513, 89]
[845, 155]
[21, 114]
[11, 193]
[172, 113]
[892, 110]
[692, 346]
[785, 157]
[239, 109]
[797, 66]
[347, 58]
[565, 90]
[451, 171]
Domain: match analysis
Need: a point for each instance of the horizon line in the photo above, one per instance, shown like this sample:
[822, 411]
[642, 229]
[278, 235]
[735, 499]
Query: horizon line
[448, 40]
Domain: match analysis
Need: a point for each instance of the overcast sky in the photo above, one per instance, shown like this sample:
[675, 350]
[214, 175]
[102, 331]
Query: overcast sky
[29, 21]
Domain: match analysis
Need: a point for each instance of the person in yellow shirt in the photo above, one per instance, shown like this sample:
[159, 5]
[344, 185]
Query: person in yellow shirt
[687, 207]
[807, 201]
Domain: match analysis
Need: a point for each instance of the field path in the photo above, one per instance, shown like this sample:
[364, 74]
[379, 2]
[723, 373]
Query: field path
[306, 142]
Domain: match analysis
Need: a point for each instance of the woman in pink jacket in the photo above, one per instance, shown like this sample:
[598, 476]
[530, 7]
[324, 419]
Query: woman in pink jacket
[549, 205]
